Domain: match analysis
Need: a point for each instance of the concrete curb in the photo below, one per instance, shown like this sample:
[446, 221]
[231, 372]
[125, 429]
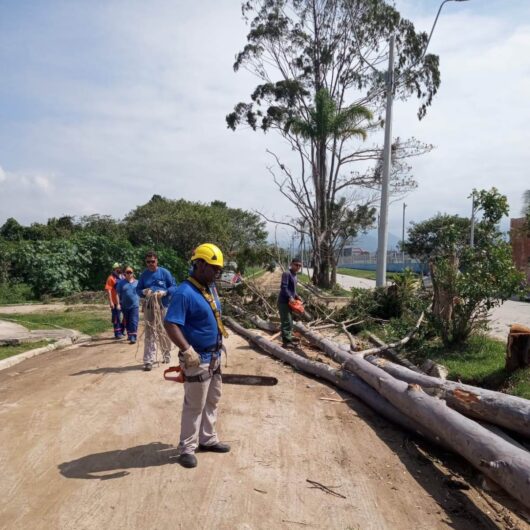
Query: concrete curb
[59, 345]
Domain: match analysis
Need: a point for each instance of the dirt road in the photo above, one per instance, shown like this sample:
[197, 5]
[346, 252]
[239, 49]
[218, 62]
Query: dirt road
[87, 442]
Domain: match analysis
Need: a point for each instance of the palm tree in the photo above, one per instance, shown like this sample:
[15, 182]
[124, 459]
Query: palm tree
[326, 124]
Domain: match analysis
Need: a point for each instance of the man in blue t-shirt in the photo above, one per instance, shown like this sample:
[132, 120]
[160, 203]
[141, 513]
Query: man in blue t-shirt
[193, 323]
[156, 286]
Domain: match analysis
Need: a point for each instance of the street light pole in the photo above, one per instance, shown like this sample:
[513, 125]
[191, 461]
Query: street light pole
[403, 236]
[472, 235]
[382, 238]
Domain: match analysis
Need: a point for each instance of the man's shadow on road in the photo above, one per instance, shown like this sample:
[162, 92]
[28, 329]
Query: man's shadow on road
[98, 465]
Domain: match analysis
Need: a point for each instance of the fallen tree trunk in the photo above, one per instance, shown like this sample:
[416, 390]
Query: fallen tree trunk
[340, 378]
[265, 325]
[393, 354]
[507, 411]
[498, 459]
[504, 463]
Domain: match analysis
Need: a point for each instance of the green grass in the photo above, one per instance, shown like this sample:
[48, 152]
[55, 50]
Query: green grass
[89, 322]
[518, 383]
[358, 273]
[254, 272]
[8, 351]
[480, 359]
[336, 291]
[480, 362]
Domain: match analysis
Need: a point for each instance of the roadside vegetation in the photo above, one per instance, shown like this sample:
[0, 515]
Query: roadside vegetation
[335, 290]
[9, 351]
[88, 322]
[69, 255]
[358, 273]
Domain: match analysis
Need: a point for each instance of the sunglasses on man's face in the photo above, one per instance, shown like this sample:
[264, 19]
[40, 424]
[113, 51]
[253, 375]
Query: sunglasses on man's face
[150, 260]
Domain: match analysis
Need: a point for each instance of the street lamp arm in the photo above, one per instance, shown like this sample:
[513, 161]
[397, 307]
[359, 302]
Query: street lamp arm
[434, 24]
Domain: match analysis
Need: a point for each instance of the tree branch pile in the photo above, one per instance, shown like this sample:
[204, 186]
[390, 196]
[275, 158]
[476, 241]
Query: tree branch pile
[437, 413]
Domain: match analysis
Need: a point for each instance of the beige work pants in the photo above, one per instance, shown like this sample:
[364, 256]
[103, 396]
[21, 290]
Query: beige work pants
[199, 410]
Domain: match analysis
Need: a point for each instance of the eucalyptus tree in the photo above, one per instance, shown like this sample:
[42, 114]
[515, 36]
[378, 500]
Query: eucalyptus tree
[319, 60]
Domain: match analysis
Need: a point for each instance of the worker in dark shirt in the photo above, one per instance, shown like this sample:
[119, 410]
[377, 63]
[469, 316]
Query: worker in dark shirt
[288, 294]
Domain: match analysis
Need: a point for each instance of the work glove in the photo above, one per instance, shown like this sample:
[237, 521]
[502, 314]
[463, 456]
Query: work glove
[160, 294]
[147, 292]
[191, 358]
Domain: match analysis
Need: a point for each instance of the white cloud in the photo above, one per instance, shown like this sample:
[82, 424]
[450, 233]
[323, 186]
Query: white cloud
[113, 104]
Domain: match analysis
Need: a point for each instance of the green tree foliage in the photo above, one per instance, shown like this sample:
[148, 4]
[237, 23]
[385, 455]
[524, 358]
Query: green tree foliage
[319, 89]
[66, 255]
[182, 225]
[467, 281]
[12, 230]
[437, 236]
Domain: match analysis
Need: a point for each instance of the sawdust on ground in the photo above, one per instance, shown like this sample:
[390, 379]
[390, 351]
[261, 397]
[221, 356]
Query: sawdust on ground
[88, 441]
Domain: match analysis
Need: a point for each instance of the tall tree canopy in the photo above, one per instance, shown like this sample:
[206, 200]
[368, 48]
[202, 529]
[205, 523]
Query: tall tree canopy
[318, 62]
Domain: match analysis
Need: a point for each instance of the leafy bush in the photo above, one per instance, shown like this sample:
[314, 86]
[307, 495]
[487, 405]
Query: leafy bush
[16, 293]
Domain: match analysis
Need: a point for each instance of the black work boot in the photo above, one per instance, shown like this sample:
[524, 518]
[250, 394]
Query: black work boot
[148, 367]
[219, 447]
[188, 460]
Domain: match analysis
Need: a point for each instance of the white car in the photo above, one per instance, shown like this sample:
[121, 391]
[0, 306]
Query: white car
[228, 278]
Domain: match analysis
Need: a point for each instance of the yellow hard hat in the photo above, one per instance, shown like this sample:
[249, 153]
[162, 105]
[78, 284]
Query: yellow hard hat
[209, 253]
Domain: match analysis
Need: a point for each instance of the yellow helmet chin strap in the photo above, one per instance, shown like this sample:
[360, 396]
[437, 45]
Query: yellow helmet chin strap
[210, 299]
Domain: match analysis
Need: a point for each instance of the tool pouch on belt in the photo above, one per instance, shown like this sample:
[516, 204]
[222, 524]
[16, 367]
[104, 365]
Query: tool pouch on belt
[204, 377]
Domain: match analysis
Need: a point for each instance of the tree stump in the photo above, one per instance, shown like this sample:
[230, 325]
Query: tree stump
[518, 347]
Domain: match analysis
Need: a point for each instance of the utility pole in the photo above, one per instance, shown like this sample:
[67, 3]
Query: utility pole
[472, 235]
[383, 224]
[382, 239]
[403, 237]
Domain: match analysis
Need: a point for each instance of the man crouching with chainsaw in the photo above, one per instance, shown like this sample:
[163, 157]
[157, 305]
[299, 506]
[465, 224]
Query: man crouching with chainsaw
[193, 323]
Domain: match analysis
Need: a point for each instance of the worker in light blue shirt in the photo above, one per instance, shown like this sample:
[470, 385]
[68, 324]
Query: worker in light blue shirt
[130, 303]
[155, 283]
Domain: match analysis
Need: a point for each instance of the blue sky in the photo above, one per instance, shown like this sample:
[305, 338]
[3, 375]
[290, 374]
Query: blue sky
[103, 104]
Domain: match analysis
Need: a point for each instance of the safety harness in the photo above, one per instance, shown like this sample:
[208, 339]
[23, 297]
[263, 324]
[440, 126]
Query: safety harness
[212, 302]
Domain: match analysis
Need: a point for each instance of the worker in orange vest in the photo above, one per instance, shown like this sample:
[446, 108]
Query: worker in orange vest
[114, 301]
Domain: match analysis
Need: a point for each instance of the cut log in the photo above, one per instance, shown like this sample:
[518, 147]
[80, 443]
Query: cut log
[507, 411]
[505, 464]
[340, 378]
[518, 348]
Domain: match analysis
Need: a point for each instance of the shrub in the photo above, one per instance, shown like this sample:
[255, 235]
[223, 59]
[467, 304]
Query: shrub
[15, 293]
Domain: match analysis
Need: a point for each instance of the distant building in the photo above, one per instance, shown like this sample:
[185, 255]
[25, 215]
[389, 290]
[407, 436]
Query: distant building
[520, 240]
